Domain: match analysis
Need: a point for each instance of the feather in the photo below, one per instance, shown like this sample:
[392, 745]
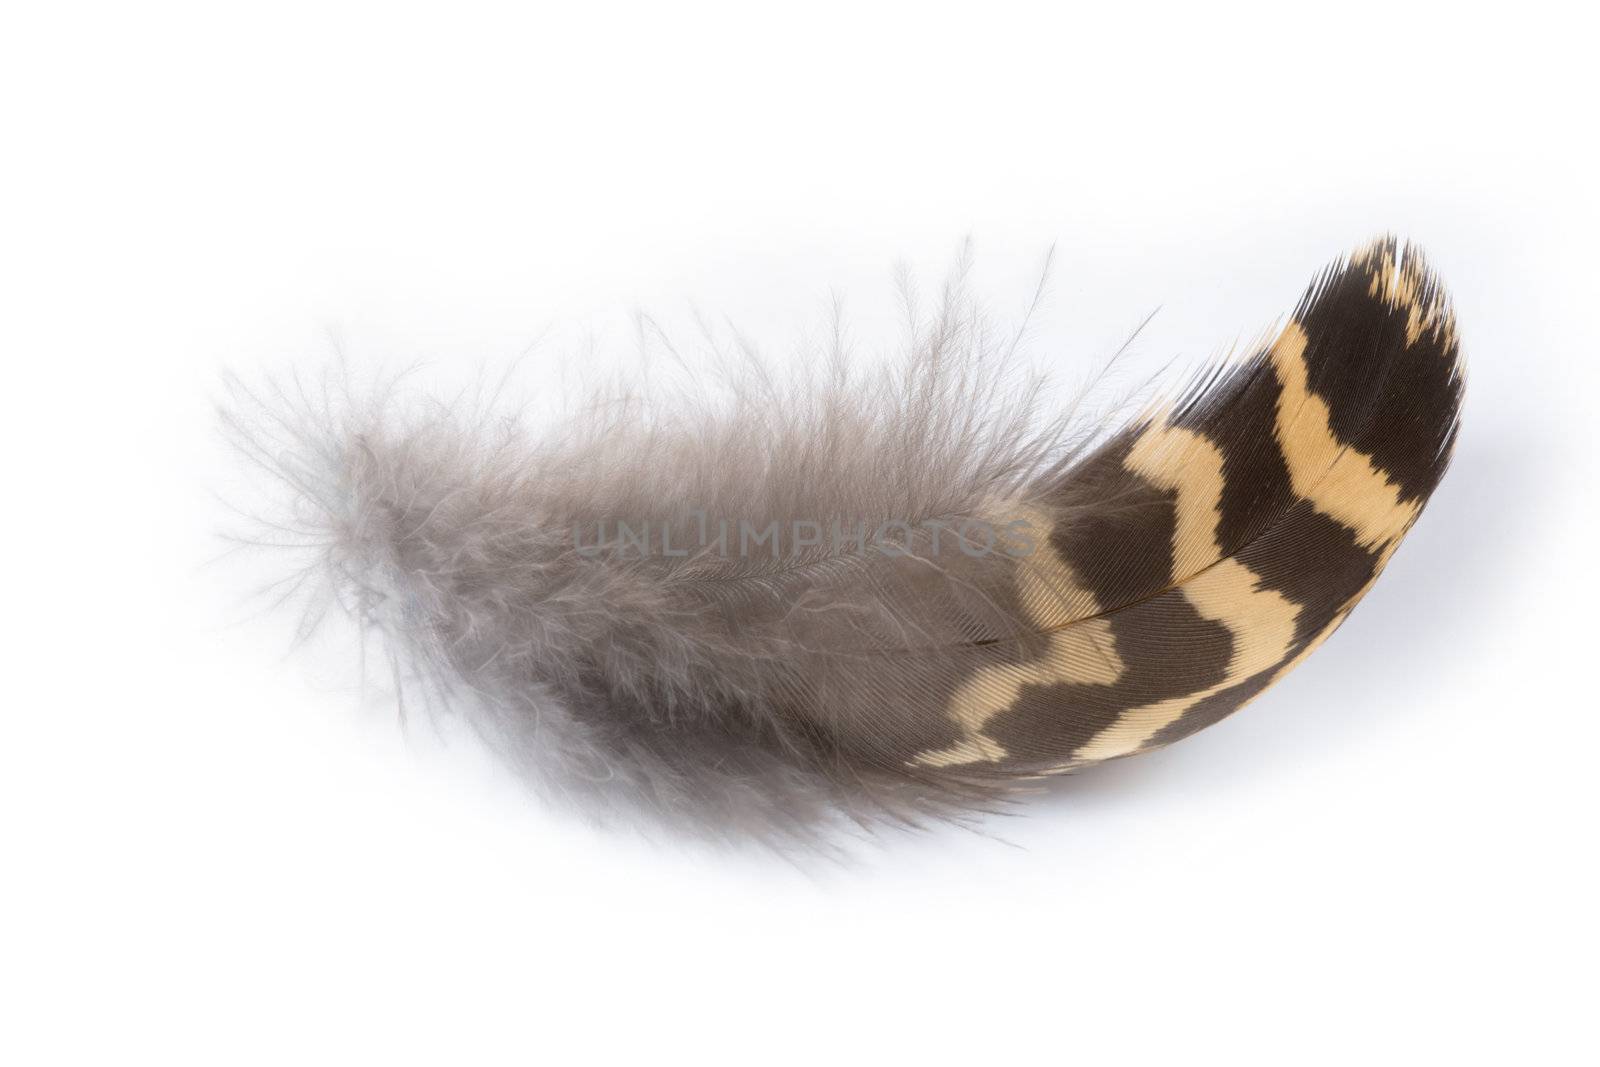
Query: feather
[872, 596]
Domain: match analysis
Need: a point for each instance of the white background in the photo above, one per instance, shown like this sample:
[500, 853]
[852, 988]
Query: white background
[213, 852]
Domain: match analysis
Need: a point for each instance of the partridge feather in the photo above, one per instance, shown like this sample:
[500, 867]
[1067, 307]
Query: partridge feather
[874, 595]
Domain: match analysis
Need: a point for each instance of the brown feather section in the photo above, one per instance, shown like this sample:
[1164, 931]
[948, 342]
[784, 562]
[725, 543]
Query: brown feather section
[1224, 538]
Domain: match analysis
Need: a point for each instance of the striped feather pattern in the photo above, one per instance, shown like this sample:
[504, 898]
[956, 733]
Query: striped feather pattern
[1209, 548]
